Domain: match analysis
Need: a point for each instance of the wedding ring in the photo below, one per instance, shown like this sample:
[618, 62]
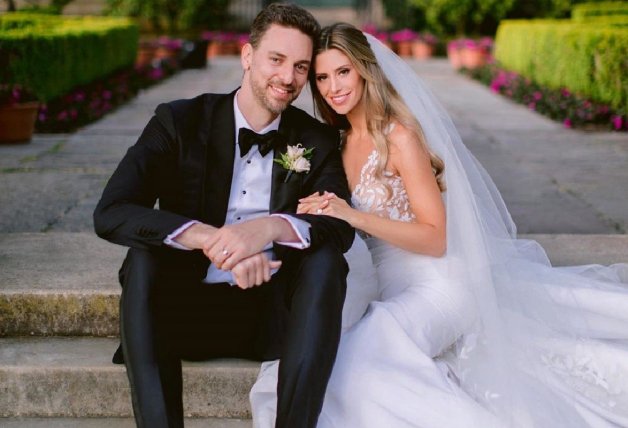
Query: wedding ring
[319, 211]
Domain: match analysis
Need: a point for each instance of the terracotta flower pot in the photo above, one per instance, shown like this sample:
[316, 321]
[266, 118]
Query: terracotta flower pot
[212, 49]
[472, 58]
[404, 48]
[145, 55]
[17, 122]
[454, 55]
[422, 50]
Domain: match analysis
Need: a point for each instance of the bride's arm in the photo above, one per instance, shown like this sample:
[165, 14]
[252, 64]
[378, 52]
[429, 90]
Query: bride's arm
[428, 234]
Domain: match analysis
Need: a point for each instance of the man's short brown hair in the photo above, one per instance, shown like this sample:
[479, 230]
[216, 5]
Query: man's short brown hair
[286, 15]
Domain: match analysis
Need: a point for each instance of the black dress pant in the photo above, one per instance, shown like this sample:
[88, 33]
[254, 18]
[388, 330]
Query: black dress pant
[167, 316]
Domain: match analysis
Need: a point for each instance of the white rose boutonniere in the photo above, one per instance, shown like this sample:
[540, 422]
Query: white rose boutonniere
[297, 159]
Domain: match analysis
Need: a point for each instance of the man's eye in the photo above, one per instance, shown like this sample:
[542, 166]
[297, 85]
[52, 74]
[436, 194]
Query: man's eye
[302, 68]
[273, 59]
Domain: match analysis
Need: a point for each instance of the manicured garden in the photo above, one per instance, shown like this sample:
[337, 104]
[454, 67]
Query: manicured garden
[65, 72]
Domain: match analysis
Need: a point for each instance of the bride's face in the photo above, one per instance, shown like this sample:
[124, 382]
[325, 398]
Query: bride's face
[338, 81]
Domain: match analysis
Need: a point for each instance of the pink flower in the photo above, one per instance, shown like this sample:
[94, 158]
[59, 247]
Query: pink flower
[532, 106]
[537, 95]
[567, 123]
[404, 35]
[617, 121]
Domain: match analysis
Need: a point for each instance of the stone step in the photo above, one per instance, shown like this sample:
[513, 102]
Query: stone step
[66, 283]
[73, 377]
[115, 423]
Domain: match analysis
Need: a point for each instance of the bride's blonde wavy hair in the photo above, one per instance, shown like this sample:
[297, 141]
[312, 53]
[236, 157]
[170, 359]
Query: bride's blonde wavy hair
[384, 103]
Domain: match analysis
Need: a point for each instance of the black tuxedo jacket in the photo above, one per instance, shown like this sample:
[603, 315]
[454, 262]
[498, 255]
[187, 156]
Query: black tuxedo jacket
[184, 161]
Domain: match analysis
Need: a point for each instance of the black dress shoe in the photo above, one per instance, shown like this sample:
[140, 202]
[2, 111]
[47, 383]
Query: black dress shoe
[118, 356]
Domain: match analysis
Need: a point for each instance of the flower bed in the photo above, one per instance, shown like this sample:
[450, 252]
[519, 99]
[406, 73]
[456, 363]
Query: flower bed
[573, 110]
[87, 103]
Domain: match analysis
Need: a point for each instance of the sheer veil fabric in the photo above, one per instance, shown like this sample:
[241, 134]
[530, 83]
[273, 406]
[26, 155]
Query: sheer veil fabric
[528, 345]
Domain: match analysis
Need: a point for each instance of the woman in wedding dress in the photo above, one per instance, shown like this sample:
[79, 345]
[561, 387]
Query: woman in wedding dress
[466, 325]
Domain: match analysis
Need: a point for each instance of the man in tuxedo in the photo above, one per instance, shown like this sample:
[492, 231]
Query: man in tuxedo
[223, 267]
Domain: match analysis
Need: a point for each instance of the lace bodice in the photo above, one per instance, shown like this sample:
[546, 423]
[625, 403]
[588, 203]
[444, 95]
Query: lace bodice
[370, 194]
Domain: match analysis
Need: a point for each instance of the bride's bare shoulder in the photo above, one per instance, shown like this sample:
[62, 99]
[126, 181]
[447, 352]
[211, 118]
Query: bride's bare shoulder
[404, 143]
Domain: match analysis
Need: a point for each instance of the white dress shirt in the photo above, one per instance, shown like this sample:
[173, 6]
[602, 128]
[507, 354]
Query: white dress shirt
[249, 197]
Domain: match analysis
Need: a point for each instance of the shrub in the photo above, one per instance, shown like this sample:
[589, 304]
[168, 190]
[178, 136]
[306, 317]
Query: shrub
[52, 54]
[463, 16]
[588, 60]
[585, 11]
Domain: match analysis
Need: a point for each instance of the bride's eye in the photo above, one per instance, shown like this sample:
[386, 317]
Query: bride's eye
[343, 72]
[320, 78]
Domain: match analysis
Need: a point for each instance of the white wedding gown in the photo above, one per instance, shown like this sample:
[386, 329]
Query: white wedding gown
[410, 354]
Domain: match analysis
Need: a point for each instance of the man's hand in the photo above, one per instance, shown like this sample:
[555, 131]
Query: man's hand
[254, 270]
[233, 243]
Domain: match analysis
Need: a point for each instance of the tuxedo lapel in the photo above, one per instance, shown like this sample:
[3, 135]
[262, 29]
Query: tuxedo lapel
[220, 152]
[284, 194]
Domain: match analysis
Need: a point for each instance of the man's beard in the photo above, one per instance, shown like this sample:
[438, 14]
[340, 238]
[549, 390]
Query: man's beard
[272, 105]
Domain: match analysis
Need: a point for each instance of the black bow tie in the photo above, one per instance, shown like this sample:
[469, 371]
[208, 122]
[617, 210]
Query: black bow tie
[266, 142]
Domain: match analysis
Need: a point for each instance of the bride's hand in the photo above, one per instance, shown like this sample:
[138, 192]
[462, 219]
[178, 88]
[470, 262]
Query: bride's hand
[331, 205]
[310, 204]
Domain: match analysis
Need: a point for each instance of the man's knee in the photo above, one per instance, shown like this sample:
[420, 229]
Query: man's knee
[323, 275]
[139, 264]
[327, 260]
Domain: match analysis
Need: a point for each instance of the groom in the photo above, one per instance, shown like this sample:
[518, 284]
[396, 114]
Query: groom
[223, 267]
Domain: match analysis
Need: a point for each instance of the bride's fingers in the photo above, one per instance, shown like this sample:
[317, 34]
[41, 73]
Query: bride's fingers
[307, 208]
[310, 199]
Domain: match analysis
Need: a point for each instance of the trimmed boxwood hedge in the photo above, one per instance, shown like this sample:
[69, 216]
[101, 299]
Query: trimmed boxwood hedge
[586, 11]
[52, 54]
[586, 59]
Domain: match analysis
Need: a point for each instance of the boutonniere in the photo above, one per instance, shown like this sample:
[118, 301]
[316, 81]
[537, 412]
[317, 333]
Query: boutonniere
[297, 159]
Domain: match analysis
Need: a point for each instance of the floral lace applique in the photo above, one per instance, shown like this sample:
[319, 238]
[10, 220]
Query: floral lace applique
[370, 194]
[583, 372]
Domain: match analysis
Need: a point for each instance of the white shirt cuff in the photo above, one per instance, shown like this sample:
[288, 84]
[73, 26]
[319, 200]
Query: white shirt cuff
[301, 228]
[170, 239]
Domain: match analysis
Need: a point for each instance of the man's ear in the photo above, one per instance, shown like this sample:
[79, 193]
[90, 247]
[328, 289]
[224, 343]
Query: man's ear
[246, 56]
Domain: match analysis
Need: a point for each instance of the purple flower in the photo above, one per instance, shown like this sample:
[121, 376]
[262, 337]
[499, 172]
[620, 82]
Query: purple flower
[79, 96]
[156, 74]
[41, 117]
[106, 94]
[537, 95]
[62, 116]
[428, 38]
[532, 106]
[617, 122]
[405, 35]
[370, 28]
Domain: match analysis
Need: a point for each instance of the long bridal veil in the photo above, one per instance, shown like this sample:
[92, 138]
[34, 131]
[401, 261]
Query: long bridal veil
[548, 346]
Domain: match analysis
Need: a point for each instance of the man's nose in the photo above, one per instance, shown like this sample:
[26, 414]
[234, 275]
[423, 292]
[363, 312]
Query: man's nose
[287, 75]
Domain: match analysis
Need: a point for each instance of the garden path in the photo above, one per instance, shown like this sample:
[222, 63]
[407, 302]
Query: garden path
[554, 180]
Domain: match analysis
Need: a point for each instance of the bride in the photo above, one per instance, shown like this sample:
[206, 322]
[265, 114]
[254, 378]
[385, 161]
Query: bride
[466, 325]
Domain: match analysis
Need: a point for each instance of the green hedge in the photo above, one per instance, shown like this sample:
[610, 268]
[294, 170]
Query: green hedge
[52, 54]
[586, 59]
[584, 11]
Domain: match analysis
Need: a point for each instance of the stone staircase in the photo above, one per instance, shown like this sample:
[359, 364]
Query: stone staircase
[58, 327]
[59, 322]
